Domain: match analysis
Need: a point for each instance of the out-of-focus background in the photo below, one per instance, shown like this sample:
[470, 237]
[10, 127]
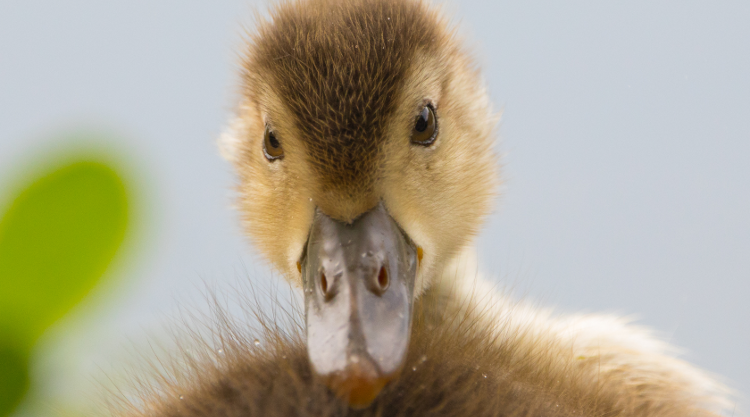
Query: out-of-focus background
[626, 135]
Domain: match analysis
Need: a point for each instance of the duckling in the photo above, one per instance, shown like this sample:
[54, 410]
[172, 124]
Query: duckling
[363, 144]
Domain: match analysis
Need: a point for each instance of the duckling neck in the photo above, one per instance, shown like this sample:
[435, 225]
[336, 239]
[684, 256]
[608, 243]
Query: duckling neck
[458, 276]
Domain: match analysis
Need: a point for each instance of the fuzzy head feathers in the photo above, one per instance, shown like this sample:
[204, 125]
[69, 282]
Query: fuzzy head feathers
[339, 85]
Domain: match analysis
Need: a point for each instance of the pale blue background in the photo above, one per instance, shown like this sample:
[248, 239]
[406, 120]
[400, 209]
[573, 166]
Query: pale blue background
[626, 130]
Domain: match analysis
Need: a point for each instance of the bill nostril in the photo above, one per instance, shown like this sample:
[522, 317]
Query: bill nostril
[324, 284]
[383, 279]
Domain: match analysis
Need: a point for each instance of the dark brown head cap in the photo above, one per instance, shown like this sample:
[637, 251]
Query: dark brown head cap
[338, 66]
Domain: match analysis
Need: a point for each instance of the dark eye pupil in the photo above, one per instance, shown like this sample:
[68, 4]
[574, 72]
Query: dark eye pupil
[273, 141]
[421, 125]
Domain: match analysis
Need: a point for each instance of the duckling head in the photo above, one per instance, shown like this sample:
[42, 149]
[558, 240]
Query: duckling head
[363, 145]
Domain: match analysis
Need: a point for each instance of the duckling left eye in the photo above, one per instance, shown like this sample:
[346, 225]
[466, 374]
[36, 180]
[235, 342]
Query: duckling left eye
[425, 127]
[271, 146]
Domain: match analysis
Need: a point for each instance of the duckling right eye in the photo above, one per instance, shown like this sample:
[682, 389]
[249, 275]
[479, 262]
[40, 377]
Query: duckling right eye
[425, 127]
[271, 146]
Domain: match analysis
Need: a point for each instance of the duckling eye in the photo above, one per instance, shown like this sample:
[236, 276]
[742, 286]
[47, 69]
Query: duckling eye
[425, 127]
[271, 146]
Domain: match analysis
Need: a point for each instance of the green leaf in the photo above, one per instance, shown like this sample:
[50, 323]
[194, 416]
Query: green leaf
[14, 378]
[56, 241]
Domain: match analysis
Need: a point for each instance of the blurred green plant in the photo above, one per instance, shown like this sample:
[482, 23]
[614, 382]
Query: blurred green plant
[56, 240]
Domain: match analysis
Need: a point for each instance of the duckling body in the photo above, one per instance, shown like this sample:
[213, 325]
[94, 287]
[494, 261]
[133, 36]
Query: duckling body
[363, 144]
[528, 363]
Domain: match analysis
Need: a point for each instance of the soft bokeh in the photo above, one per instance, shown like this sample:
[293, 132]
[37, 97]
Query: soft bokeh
[58, 236]
[625, 129]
